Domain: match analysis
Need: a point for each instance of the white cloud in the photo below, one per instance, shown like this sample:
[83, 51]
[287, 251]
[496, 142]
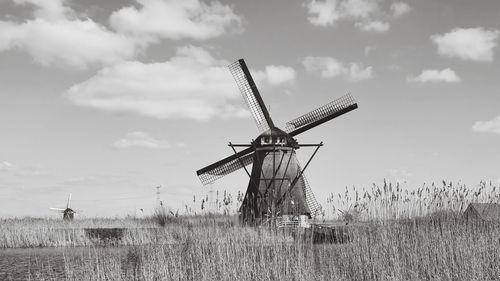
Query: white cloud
[6, 166]
[358, 9]
[323, 13]
[358, 72]
[22, 171]
[328, 12]
[475, 44]
[55, 36]
[140, 139]
[76, 43]
[175, 19]
[329, 67]
[48, 9]
[376, 26]
[192, 84]
[367, 14]
[275, 74]
[400, 8]
[434, 76]
[491, 126]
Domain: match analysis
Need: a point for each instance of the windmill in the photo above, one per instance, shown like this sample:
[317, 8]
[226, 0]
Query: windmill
[277, 185]
[68, 213]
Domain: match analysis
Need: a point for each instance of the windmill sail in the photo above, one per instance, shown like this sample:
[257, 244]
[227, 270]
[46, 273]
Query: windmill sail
[225, 166]
[69, 201]
[321, 115]
[251, 95]
[311, 201]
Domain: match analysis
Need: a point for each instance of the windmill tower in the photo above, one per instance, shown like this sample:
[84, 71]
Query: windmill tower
[68, 213]
[277, 185]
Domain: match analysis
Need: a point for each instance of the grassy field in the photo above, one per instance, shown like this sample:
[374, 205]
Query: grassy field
[395, 234]
[419, 249]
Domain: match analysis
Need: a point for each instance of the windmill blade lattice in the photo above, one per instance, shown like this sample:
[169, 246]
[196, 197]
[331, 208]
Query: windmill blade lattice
[225, 166]
[312, 203]
[320, 115]
[251, 95]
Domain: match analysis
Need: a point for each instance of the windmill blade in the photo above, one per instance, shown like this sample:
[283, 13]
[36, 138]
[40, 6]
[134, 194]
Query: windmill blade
[312, 203]
[321, 115]
[310, 200]
[225, 166]
[69, 201]
[251, 95]
[57, 209]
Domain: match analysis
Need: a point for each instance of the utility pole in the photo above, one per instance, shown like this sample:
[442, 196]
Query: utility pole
[158, 196]
[212, 205]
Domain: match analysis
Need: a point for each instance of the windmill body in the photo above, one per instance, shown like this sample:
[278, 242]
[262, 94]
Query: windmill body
[275, 166]
[277, 185]
[68, 213]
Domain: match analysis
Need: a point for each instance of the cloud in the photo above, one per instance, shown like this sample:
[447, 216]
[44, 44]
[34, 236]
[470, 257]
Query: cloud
[140, 139]
[399, 8]
[323, 13]
[491, 126]
[192, 85]
[474, 44]
[21, 171]
[174, 19]
[435, 76]
[328, 12]
[329, 67]
[368, 15]
[276, 74]
[48, 9]
[358, 9]
[6, 166]
[376, 26]
[56, 37]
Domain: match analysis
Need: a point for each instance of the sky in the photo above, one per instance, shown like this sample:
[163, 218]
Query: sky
[109, 99]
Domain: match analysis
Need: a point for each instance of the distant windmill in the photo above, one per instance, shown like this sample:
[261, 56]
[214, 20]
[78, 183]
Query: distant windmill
[277, 186]
[68, 213]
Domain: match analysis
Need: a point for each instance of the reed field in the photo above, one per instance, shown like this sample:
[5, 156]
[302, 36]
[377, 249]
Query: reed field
[393, 234]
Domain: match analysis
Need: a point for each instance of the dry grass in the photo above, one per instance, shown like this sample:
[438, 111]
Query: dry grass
[33, 233]
[406, 235]
[421, 249]
[391, 201]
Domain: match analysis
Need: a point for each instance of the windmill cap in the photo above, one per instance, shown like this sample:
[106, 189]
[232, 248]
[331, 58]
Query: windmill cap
[274, 135]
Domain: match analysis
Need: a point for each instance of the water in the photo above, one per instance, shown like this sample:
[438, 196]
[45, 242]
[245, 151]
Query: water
[23, 264]
[41, 263]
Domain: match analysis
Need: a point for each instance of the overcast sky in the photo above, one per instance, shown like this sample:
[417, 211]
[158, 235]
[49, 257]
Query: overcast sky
[108, 99]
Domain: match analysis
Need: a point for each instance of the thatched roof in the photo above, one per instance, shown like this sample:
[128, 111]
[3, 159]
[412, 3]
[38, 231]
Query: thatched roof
[484, 211]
